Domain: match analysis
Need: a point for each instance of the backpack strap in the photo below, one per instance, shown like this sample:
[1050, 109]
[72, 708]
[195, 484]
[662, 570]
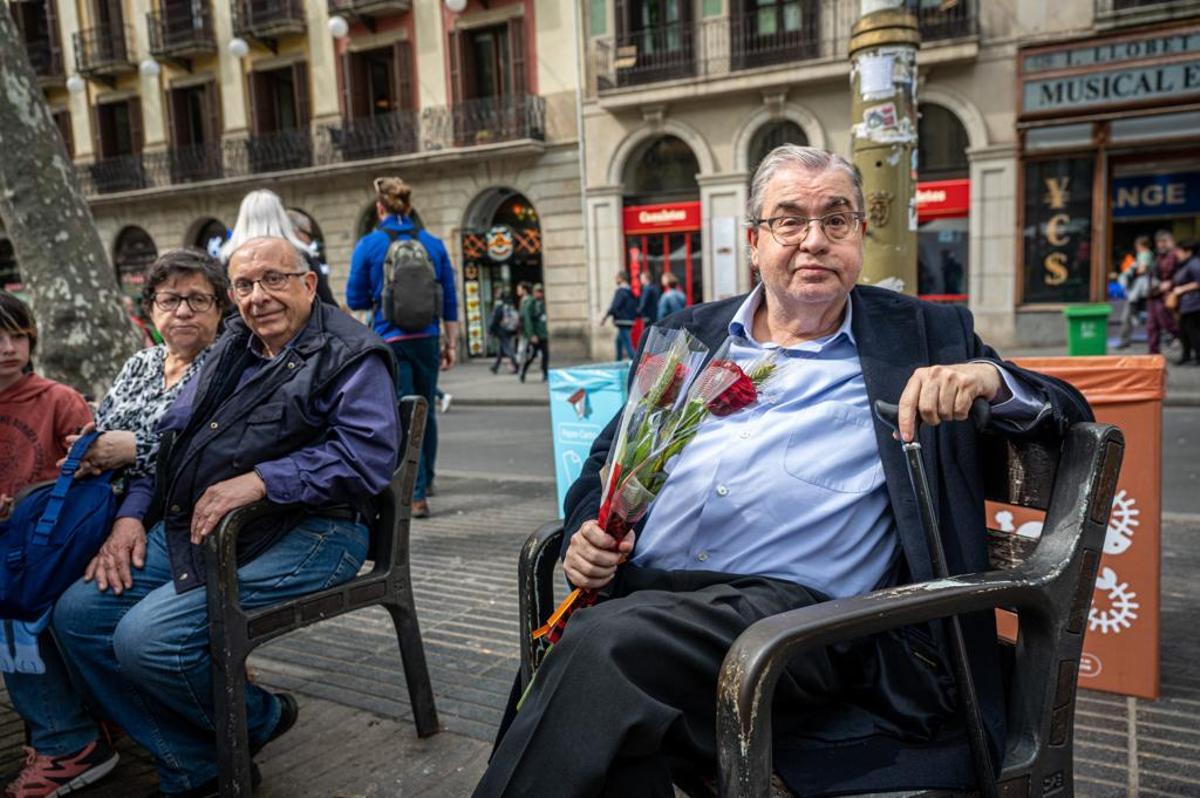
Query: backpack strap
[58, 494]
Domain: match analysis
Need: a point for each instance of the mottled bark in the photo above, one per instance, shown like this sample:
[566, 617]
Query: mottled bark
[84, 334]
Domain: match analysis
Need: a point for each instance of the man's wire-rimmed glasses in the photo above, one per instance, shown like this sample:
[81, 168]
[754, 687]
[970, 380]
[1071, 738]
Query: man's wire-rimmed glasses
[271, 281]
[789, 231]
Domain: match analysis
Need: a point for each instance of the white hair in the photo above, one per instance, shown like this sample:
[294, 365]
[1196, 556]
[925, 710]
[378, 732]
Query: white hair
[810, 159]
[262, 215]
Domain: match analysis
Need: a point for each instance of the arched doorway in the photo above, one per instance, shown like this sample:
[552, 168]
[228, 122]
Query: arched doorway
[502, 246]
[943, 205]
[208, 235]
[133, 253]
[661, 218]
[768, 137]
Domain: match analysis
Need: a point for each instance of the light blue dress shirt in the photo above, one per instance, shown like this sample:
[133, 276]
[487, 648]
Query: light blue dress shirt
[793, 486]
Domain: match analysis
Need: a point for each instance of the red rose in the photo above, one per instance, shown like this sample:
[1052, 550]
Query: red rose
[649, 374]
[741, 393]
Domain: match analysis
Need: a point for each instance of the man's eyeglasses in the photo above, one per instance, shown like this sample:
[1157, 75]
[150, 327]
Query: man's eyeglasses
[199, 303]
[271, 281]
[792, 230]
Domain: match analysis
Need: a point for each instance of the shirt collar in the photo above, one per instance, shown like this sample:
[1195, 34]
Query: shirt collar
[742, 323]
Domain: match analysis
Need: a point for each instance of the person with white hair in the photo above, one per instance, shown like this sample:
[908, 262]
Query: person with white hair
[262, 215]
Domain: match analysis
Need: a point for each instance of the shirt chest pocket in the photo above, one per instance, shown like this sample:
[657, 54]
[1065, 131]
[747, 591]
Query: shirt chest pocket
[833, 447]
[270, 413]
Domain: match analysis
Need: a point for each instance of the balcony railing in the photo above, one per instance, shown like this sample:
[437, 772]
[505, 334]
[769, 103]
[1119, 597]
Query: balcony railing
[181, 29]
[45, 57]
[268, 19]
[650, 55]
[104, 50]
[775, 34]
[948, 21]
[439, 129]
[368, 8]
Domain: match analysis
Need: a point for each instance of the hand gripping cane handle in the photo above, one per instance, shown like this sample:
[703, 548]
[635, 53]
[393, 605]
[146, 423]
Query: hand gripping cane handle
[889, 414]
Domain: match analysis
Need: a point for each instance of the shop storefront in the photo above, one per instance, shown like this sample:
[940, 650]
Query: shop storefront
[943, 210]
[1109, 152]
[665, 239]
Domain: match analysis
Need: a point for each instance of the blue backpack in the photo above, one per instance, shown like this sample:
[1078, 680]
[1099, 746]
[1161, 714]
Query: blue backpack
[51, 536]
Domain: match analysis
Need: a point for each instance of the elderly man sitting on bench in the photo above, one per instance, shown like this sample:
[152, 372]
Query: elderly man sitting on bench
[286, 409]
[797, 500]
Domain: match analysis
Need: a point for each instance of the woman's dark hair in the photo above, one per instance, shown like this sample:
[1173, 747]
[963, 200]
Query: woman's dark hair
[1189, 245]
[188, 260]
[16, 317]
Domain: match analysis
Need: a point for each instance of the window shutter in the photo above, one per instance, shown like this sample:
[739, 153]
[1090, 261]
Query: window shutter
[212, 113]
[62, 119]
[55, 36]
[255, 95]
[300, 87]
[135, 125]
[402, 62]
[457, 67]
[347, 89]
[620, 15]
[516, 55]
[97, 137]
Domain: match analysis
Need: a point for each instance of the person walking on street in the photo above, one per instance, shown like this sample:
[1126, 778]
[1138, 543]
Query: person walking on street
[648, 301]
[504, 324]
[398, 251]
[1136, 282]
[672, 300]
[624, 312]
[1159, 318]
[1187, 289]
[533, 325]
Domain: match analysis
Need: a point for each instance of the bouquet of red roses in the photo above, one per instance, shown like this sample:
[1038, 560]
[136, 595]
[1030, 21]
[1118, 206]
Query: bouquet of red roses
[669, 399]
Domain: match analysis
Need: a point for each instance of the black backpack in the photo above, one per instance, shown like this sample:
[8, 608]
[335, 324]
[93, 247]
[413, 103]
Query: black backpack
[411, 298]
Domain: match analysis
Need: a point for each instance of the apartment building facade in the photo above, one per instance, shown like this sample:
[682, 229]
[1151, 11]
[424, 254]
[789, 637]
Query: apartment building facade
[174, 109]
[684, 97]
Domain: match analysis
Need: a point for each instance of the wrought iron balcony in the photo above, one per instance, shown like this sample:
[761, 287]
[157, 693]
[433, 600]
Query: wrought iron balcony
[104, 51]
[368, 9]
[650, 55]
[396, 133]
[181, 30]
[776, 34]
[45, 56]
[949, 20]
[486, 120]
[270, 152]
[267, 20]
[110, 175]
[189, 164]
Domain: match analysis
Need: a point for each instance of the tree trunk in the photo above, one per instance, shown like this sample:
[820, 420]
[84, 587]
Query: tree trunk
[84, 336]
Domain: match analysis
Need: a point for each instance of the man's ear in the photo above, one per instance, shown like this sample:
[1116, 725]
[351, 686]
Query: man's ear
[310, 282]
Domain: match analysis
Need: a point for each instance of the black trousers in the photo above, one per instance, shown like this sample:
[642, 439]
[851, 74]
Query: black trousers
[541, 347]
[629, 692]
[1189, 334]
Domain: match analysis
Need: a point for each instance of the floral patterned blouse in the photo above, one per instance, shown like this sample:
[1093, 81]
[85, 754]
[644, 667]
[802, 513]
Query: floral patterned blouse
[138, 399]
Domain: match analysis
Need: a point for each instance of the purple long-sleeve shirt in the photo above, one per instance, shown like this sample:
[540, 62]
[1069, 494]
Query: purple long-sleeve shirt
[353, 462]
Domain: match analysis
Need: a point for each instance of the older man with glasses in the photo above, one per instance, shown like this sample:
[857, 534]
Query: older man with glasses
[799, 499]
[287, 408]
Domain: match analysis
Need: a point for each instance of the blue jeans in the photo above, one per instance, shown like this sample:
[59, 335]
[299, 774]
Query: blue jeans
[624, 343]
[417, 364]
[143, 655]
[51, 706]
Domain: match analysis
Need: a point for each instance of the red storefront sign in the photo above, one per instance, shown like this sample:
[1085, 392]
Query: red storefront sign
[943, 199]
[669, 218]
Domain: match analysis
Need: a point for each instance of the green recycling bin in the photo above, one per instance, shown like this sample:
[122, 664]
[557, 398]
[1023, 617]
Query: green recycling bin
[1087, 329]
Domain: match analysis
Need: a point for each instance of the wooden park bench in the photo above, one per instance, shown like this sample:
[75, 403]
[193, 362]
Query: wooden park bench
[234, 631]
[1048, 583]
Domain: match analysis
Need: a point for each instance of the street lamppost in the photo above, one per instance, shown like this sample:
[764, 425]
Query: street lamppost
[883, 135]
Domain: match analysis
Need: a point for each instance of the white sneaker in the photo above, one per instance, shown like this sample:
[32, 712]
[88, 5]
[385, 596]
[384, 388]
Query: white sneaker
[444, 404]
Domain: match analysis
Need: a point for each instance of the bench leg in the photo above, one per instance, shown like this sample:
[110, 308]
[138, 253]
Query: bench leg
[233, 744]
[416, 672]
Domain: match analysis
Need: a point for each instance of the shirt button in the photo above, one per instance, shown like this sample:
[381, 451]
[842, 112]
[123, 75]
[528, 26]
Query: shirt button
[702, 556]
[174, 508]
[722, 490]
[183, 577]
[213, 425]
[745, 434]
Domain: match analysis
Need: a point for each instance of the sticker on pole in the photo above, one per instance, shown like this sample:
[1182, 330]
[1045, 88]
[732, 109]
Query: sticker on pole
[875, 77]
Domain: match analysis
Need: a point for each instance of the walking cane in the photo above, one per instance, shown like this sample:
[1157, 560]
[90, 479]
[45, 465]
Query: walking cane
[889, 414]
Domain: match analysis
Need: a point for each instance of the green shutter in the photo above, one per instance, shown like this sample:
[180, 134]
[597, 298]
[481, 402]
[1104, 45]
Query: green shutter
[598, 17]
[712, 8]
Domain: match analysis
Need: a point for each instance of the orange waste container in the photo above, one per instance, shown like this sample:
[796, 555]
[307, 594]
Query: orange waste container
[1120, 649]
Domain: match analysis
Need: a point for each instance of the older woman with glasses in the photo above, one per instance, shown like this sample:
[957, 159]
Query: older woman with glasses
[186, 295]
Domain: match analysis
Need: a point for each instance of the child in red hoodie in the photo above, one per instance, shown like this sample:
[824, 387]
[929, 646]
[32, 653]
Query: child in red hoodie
[36, 414]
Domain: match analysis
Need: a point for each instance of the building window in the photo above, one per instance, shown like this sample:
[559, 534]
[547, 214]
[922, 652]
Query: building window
[656, 35]
[193, 114]
[62, 120]
[279, 112]
[942, 144]
[38, 23]
[380, 81]
[664, 171]
[772, 135]
[1057, 230]
[488, 62]
[132, 255]
[118, 128]
[773, 31]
